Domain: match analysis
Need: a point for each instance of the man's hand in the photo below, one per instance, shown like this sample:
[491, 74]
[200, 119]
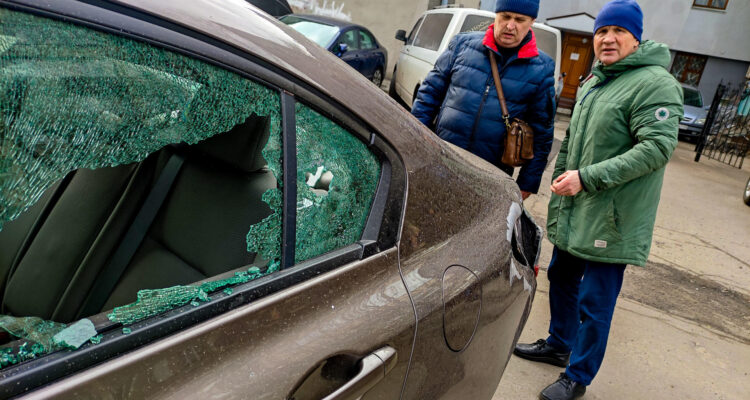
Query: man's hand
[525, 195]
[567, 184]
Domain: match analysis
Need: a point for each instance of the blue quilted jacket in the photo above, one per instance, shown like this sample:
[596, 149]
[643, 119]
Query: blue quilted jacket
[458, 100]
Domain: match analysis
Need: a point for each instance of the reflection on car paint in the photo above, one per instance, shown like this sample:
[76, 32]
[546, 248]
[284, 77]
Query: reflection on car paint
[514, 213]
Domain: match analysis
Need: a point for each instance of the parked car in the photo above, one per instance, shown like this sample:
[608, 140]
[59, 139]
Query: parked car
[198, 202]
[746, 193]
[431, 35]
[694, 117]
[354, 44]
[276, 8]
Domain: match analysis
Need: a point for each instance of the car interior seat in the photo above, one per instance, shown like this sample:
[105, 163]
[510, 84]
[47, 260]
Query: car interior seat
[55, 256]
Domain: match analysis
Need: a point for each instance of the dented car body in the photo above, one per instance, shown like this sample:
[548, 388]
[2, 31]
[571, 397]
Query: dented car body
[197, 201]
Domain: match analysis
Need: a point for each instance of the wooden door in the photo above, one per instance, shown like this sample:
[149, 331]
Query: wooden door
[577, 57]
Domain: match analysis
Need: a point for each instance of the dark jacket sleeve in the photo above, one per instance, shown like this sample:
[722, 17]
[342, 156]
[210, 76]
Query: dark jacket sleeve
[434, 87]
[541, 116]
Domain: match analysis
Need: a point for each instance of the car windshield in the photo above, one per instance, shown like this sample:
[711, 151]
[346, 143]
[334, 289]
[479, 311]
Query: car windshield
[318, 32]
[692, 97]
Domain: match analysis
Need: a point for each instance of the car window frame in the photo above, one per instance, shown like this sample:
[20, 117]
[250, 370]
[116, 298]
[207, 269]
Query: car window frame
[340, 38]
[441, 38]
[373, 41]
[377, 236]
[414, 32]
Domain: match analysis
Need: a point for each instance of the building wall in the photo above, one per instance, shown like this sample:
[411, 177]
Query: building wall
[718, 69]
[724, 34]
[675, 22]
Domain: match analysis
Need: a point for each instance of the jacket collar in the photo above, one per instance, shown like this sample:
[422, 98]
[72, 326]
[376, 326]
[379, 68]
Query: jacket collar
[528, 50]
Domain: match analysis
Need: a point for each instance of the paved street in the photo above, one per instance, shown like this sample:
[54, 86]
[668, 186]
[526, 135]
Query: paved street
[681, 329]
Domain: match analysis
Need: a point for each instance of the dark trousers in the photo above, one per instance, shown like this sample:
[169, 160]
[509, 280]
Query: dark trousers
[582, 298]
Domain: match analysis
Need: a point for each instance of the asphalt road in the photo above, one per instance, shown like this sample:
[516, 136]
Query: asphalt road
[681, 329]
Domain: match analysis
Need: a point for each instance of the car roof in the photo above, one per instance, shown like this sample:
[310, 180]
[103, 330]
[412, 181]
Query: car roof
[461, 10]
[326, 20]
[245, 27]
[685, 85]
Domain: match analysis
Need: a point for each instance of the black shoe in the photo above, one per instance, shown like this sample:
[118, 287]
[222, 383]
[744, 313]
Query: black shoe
[542, 352]
[564, 388]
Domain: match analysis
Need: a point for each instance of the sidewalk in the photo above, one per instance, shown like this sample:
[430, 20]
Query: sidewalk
[682, 325]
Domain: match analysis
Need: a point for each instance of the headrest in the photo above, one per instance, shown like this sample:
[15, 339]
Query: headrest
[242, 146]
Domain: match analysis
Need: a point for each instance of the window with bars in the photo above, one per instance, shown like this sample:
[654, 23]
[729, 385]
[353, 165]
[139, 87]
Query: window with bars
[688, 68]
[715, 4]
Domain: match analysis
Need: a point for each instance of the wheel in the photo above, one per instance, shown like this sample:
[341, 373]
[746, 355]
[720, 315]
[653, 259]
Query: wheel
[392, 86]
[746, 195]
[377, 77]
[414, 97]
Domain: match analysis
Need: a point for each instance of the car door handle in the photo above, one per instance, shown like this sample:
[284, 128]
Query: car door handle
[374, 368]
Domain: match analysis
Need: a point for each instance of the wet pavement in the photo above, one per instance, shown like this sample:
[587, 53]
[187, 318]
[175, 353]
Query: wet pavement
[682, 324]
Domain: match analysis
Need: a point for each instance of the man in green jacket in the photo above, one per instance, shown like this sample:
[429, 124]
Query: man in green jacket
[606, 187]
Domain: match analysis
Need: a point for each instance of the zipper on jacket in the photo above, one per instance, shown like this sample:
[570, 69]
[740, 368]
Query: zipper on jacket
[484, 98]
[586, 124]
[479, 113]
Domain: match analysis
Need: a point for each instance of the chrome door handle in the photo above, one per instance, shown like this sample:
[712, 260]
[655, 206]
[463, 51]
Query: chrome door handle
[374, 368]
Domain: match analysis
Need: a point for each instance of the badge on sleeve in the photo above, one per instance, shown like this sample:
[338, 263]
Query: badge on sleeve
[662, 114]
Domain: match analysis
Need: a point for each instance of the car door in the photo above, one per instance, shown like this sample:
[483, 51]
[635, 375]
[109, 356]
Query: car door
[353, 55]
[370, 53]
[321, 311]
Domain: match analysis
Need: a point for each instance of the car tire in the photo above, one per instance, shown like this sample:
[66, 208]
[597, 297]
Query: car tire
[377, 77]
[414, 97]
[392, 86]
[746, 194]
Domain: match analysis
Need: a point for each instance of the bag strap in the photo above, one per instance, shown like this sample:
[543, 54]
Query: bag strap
[499, 88]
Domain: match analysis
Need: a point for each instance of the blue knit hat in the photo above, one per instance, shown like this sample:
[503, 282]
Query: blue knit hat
[525, 7]
[623, 13]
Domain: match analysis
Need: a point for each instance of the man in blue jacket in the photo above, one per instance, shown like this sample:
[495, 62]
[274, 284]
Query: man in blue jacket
[459, 102]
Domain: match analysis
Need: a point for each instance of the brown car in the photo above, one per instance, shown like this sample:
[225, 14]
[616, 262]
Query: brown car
[198, 202]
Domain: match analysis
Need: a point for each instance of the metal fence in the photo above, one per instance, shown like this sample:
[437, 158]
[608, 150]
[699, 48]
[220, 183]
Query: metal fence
[726, 133]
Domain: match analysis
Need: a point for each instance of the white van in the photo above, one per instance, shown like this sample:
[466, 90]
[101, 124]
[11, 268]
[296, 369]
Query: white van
[431, 35]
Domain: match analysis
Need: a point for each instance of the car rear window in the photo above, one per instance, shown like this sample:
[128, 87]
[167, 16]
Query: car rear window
[476, 23]
[692, 97]
[318, 32]
[546, 42]
[431, 32]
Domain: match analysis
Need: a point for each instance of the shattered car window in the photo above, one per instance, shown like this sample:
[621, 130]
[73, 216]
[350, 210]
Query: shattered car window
[336, 180]
[74, 99]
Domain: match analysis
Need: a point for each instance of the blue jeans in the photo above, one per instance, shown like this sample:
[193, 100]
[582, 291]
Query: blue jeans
[582, 298]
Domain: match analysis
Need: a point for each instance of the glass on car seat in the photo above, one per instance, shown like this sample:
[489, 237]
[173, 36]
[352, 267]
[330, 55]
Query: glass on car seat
[79, 108]
[337, 176]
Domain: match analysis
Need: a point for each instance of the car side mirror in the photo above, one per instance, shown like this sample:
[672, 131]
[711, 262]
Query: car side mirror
[340, 49]
[401, 35]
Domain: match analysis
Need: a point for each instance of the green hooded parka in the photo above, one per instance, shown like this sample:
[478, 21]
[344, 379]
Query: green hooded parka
[622, 134]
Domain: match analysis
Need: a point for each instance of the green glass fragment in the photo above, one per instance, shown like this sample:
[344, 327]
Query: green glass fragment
[97, 339]
[39, 334]
[126, 331]
[332, 214]
[75, 335]
[152, 302]
[33, 329]
[228, 291]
